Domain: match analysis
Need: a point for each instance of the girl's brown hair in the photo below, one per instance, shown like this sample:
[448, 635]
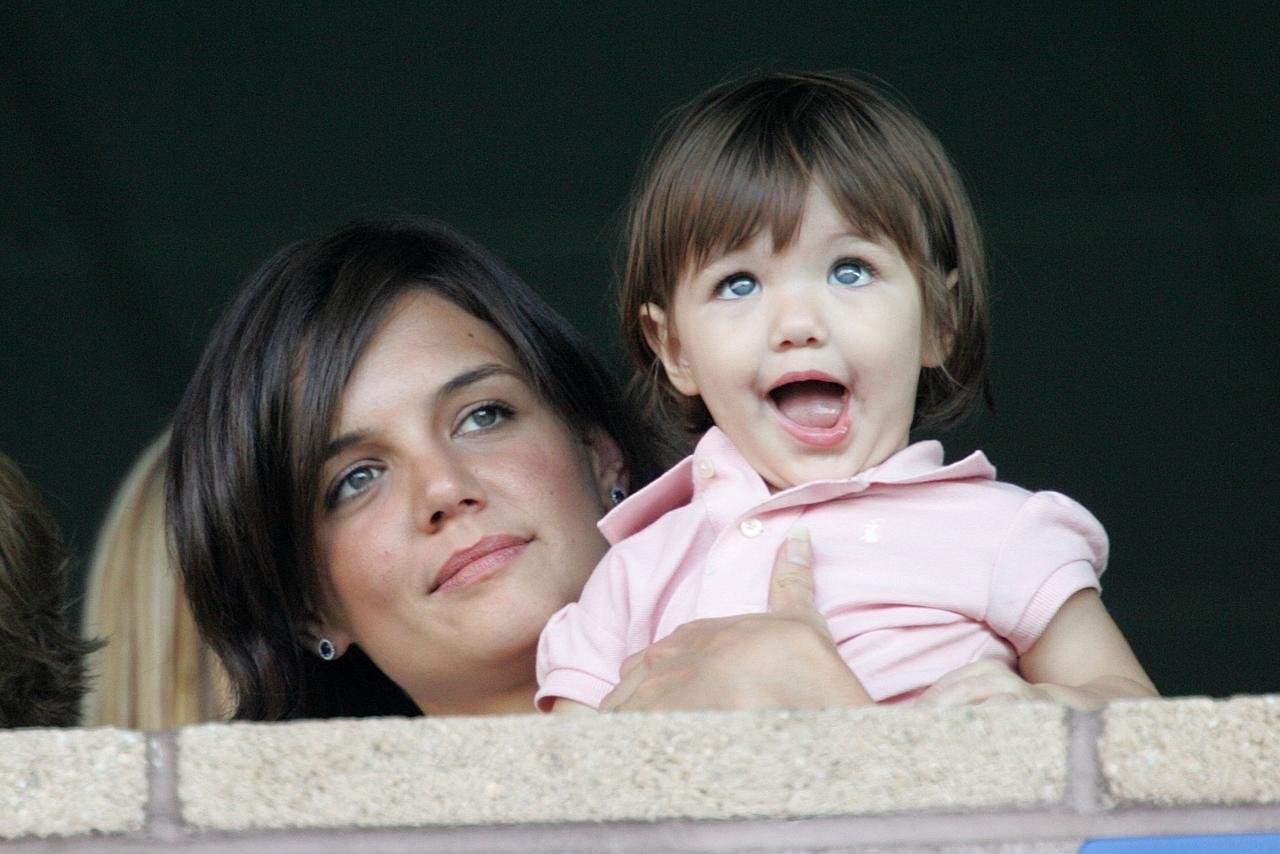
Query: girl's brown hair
[741, 159]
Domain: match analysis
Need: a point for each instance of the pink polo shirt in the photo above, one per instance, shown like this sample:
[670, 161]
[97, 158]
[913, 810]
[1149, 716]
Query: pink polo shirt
[919, 567]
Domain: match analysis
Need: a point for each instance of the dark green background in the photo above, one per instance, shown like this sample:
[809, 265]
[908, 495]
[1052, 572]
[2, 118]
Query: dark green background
[1123, 158]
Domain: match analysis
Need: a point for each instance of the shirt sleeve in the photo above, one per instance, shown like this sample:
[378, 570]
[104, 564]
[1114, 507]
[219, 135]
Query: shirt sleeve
[583, 645]
[1054, 548]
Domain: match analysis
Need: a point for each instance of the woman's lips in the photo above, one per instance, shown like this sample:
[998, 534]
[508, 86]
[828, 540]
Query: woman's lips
[486, 558]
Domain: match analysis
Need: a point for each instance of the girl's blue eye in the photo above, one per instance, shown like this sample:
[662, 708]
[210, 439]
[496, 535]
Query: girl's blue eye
[484, 417]
[353, 483]
[850, 274]
[737, 286]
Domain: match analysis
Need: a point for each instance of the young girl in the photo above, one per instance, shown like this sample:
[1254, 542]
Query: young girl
[805, 283]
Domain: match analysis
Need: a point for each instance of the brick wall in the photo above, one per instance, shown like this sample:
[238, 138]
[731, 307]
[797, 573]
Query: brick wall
[1014, 778]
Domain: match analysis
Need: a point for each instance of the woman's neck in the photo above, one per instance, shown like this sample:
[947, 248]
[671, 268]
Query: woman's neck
[516, 700]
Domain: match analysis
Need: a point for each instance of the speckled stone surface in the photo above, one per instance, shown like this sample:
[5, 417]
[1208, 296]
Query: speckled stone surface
[1072, 847]
[528, 769]
[1192, 751]
[60, 782]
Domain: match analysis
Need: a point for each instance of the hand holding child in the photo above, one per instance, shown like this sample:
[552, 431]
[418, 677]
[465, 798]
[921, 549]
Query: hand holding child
[785, 658]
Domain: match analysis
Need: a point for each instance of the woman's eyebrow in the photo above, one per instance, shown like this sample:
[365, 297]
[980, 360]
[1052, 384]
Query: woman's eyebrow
[451, 386]
[472, 376]
[340, 444]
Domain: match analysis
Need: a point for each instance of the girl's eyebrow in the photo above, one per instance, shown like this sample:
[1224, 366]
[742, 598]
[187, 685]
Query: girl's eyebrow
[855, 235]
[866, 245]
[717, 262]
[454, 384]
[732, 259]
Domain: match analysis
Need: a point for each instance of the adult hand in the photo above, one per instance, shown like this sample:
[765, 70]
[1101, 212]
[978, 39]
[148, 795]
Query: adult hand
[783, 659]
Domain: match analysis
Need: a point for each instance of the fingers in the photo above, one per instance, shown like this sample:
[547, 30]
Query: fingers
[792, 586]
[978, 683]
[630, 676]
[630, 664]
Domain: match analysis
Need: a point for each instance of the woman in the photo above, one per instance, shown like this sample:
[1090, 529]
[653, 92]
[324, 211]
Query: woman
[393, 450]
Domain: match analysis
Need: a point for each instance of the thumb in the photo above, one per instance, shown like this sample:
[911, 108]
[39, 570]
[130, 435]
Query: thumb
[792, 585]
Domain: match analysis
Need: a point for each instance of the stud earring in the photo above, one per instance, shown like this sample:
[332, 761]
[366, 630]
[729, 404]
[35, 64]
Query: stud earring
[326, 649]
[617, 494]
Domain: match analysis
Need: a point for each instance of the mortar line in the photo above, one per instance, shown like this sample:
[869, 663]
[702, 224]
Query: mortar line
[163, 819]
[1084, 772]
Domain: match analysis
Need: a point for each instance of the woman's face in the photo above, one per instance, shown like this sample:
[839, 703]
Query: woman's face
[458, 511]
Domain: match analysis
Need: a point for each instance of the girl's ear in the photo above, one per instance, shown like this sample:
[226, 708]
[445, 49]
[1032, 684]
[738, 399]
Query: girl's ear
[663, 340]
[939, 337]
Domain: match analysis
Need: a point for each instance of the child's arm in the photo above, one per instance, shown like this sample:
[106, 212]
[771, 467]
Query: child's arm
[1081, 660]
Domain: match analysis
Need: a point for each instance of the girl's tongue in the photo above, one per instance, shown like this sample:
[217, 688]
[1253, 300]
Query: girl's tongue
[810, 403]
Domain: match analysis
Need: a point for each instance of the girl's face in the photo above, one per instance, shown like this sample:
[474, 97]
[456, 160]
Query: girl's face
[808, 359]
[458, 511]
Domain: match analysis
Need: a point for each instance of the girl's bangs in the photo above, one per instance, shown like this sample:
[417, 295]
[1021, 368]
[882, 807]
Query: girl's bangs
[754, 185]
[762, 187]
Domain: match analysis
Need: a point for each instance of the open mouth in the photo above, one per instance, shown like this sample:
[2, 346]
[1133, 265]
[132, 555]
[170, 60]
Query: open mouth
[813, 409]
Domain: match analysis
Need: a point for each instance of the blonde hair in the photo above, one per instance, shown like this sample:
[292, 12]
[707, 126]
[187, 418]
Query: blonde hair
[155, 673]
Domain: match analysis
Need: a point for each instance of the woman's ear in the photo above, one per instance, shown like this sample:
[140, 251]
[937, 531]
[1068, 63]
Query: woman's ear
[663, 340]
[608, 468]
[940, 336]
[323, 639]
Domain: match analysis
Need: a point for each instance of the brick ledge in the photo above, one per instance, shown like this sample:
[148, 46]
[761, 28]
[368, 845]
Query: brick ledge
[1019, 777]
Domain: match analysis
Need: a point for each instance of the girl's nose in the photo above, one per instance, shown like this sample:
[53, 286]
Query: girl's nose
[447, 488]
[797, 322]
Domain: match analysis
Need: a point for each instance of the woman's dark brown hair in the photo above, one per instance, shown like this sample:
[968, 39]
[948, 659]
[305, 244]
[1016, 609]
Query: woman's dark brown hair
[741, 158]
[41, 660]
[249, 434]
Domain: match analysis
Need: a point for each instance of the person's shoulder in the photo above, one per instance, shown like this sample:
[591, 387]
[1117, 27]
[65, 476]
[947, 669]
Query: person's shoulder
[997, 495]
[664, 530]
[1002, 504]
[651, 506]
[984, 495]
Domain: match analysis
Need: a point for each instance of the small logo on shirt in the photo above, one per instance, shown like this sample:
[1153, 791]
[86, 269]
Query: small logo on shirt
[871, 531]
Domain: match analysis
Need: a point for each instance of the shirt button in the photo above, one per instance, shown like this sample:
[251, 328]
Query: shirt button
[751, 528]
[705, 469]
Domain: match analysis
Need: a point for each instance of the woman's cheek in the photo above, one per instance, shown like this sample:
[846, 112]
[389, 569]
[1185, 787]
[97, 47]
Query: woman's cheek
[361, 567]
[382, 579]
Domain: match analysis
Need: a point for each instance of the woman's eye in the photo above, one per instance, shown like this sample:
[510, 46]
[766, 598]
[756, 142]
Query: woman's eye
[851, 274]
[484, 417]
[737, 286]
[354, 482]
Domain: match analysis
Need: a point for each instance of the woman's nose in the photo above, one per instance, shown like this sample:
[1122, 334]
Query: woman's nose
[797, 321]
[447, 488]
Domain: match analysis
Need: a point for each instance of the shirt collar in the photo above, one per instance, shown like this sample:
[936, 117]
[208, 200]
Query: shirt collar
[921, 462]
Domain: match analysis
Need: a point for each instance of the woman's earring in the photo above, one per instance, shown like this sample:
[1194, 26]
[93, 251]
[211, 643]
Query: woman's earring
[326, 649]
[617, 494]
